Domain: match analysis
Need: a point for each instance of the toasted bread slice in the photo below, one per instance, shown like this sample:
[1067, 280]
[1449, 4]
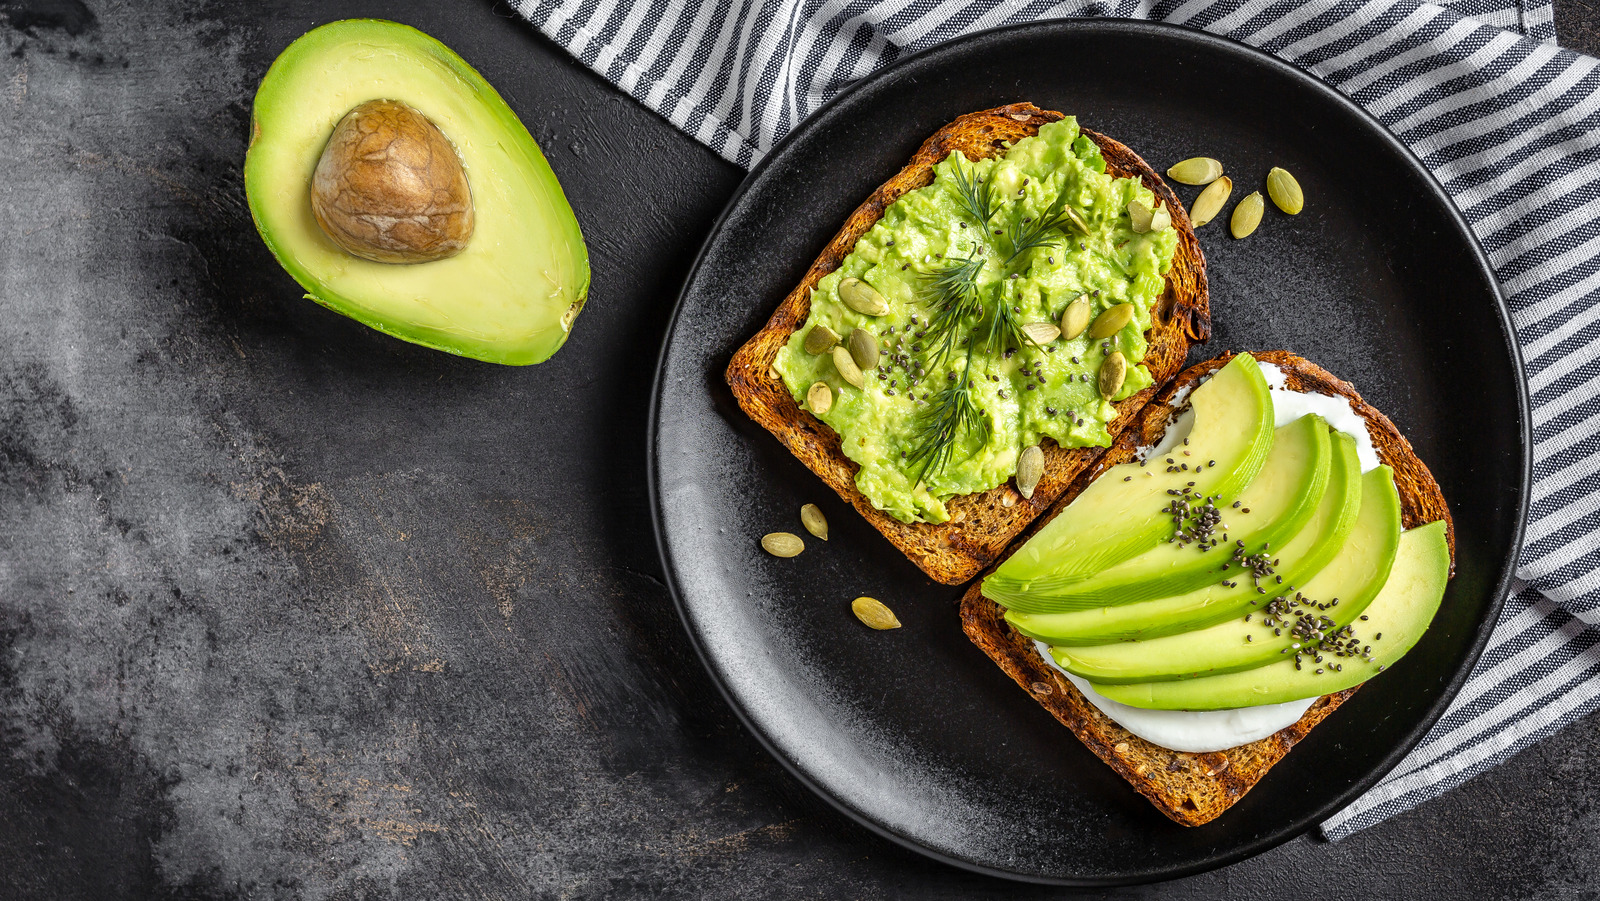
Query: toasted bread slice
[1194, 788]
[980, 525]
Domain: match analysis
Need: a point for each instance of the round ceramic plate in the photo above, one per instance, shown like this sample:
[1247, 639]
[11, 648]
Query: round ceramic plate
[914, 732]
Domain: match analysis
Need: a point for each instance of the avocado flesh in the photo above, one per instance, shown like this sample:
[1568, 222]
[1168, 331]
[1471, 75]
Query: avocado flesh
[1300, 558]
[1113, 520]
[1353, 578]
[1282, 499]
[510, 296]
[1400, 613]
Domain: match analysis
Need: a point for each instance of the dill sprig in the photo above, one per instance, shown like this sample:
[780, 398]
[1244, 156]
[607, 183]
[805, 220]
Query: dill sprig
[1030, 232]
[974, 194]
[955, 301]
[1005, 328]
[951, 415]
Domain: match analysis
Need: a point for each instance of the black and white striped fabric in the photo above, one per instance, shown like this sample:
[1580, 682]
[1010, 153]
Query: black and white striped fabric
[1508, 122]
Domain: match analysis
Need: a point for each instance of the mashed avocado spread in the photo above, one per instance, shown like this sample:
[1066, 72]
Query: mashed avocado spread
[959, 390]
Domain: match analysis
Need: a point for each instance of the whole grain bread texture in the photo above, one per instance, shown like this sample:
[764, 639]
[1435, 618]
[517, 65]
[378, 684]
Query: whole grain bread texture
[1193, 788]
[980, 525]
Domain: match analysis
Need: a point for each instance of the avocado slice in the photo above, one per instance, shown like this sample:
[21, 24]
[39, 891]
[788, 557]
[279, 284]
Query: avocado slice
[511, 293]
[1348, 583]
[1394, 621]
[1113, 519]
[1301, 558]
[1281, 500]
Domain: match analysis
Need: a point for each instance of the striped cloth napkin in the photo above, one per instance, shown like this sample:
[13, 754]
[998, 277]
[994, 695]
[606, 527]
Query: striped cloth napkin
[1508, 122]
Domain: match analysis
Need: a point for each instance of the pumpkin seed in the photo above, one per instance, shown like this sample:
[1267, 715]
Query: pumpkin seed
[1200, 170]
[1077, 223]
[1076, 318]
[873, 614]
[819, 398]
[1247, 215]
[1211, 200]
[847, 367]
[1141, 215]
[1030, 469]
[811, 517]
[864, 349]
[1112, 373]
[1161, 219]
[1041, 333]
[862, 297]
[782, 544]
[1111, 321]
[821, 339]
[1285, 191]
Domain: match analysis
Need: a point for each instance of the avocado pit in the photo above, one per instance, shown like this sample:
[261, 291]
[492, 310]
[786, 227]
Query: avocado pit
[390, 187]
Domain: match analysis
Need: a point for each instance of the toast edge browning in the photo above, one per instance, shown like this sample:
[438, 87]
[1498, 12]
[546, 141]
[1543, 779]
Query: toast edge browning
[982, 525]
[1193, 789]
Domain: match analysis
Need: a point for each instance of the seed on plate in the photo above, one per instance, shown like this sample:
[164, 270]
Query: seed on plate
[864, 349]
[1210, 202]
[821, 339]
[819, 397]
[1247, 215]
[1112, 373]
[1285, 191]
[862, 297]
[811, 517]
[1041, 333]
[848, 370]
[1199, 170]
[1075, 319]
[1030, 469]
[782, 544]
[873, 614]
[1111, 321]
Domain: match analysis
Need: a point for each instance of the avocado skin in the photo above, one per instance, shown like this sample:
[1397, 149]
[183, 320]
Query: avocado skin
[521, 338]
[1401, 612]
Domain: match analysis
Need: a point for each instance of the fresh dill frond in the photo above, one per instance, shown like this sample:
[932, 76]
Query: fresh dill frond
[955, 300]
[951, 415]
[974, 194]
[1005, 328]
[1030, 232]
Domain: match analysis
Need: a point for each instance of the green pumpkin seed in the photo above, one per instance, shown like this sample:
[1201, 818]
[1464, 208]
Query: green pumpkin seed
[848, 370]
[1076, 318]
[1200, 170]
[1077, 223]
[1247, 215]
[1141, 216]
[1112, 374]
[862, 297]
[1211, 200]
[1030, 469]
[819, 398]
[821, 339]
[1161, 219]
[1041, 333]
[811, 517]
[782, 544]
[1113, 320]
[864, 349]
[873, 614]
[1285, 191]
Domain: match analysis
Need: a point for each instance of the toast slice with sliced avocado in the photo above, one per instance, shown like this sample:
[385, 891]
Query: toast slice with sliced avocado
[982, 524]
[1195, 788]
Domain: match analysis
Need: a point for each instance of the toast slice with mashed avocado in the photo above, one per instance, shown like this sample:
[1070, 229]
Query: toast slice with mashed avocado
[1193, 788]
[1071, 218]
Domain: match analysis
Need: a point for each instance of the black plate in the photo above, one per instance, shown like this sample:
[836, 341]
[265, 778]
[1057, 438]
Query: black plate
[915, 733]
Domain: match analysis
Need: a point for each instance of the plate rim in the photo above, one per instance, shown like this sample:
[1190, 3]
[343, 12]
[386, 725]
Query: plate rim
[1484, 629]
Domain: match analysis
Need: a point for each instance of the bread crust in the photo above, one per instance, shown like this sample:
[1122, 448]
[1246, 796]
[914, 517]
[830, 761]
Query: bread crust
[981, 525]
[1193, 789]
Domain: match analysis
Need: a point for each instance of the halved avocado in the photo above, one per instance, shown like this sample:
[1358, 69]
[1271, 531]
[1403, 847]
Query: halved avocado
[1299, 559]
[1119, 515]
[1281, 500]
[1395, 619]
[1348, 583]
[511, 293]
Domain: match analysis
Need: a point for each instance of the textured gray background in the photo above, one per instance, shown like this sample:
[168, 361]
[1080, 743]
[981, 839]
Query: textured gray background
[292, 610]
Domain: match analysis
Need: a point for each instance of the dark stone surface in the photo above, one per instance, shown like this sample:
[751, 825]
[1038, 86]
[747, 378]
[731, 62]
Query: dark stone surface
[292, 610]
